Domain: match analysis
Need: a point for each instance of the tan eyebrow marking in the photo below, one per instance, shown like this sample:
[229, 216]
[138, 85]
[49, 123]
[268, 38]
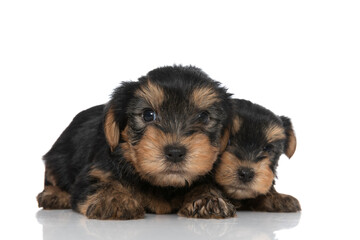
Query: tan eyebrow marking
[203, 98]
[152, 93]
[274, 133]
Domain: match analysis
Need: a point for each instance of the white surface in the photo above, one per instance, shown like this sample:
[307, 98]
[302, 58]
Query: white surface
[66, 224]
[297, 58]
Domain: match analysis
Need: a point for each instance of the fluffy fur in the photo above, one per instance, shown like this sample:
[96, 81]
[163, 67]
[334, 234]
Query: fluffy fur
[149, 149]
[247, 169]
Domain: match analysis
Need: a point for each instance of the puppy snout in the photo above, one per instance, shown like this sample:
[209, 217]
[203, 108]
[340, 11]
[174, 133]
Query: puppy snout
[246, 174]
[175, 153]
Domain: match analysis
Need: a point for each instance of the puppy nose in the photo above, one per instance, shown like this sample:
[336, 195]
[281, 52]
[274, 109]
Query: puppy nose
[246, 174]
[175, 153]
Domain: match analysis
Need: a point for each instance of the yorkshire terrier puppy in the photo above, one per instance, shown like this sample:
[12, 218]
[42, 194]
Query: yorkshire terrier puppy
[149, 149]
[247, 169]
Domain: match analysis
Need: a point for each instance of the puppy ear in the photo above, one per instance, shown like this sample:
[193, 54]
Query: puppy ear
[116, 116]
[236, 124]
[111, 129]
[224, 140]
[290, 145]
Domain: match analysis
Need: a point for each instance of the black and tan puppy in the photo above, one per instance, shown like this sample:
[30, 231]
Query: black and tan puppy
[247, 169]
[150, 149]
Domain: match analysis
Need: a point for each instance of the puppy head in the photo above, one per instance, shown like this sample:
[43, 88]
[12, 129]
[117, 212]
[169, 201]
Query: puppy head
[170, 125]
[258, 138]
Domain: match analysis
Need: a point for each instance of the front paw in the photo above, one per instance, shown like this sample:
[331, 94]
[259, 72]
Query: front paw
[113, 209]
[53, 198]
[282, 203]
[289, 204]
[210, 207]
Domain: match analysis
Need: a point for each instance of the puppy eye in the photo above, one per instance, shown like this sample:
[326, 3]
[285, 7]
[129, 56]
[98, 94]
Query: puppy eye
[261, 158]
[149, 115]
[268, 148]
[203, 117]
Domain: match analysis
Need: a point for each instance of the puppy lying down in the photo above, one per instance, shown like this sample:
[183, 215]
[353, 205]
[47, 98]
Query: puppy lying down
[247, 170]
[161, 145]
[151, 148]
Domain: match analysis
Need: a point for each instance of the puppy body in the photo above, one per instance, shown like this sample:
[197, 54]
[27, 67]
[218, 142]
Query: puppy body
[75, 148]
[247, 169]
[150, 148]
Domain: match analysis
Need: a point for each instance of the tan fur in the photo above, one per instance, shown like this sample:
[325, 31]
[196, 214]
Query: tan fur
[272, 201]
[201, 154]
[206, 201]
[274, 133]
[291, 144]
[105, 200]
[50, 177]
[126, 147]
[226, 175]
[100, 174]
[111, 129]
[156, 205]
[263, 176]
[236, 125]
[149, 161]
[53, 198]
[152, 93]
[204, 97]
[224, 140]
[160, 207]
[149, 157]
[111, 201]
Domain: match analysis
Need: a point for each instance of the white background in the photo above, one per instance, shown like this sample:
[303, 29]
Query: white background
[298, 58]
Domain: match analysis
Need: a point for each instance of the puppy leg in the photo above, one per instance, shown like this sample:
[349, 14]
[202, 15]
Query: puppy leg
[206, 201]
[98, 196]
[271, 202]
[52, 197]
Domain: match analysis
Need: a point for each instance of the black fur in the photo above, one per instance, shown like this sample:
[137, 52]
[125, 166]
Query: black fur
[83, 146]
[250, 141]
[76, 147]
[258, 139]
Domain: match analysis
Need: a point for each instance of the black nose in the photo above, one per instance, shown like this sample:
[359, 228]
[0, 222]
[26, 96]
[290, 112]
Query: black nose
[175, 153]
[246, 174]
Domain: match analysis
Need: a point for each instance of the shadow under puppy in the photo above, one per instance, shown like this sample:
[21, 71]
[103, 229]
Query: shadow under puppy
[151, 149]
[247, 169]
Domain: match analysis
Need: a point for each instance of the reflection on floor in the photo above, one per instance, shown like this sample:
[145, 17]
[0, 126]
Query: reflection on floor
[66, 224]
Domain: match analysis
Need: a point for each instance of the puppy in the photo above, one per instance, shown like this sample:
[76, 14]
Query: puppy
[247, 169]
[150, 149]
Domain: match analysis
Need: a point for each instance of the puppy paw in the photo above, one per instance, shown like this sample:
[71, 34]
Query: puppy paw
[113, 209]
[211, 207]
[281, 203]
[288, 203]
[53, 198]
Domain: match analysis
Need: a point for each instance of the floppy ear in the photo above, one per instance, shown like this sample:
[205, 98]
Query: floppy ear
[111, 129]
[236, 124]
[116, 115]
[290, 145]
[233, 125]
[224, 140]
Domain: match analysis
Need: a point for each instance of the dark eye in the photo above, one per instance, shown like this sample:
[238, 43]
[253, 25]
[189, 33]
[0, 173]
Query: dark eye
[261, 158]
[203, 117]
[149, 115]
[268, 148]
